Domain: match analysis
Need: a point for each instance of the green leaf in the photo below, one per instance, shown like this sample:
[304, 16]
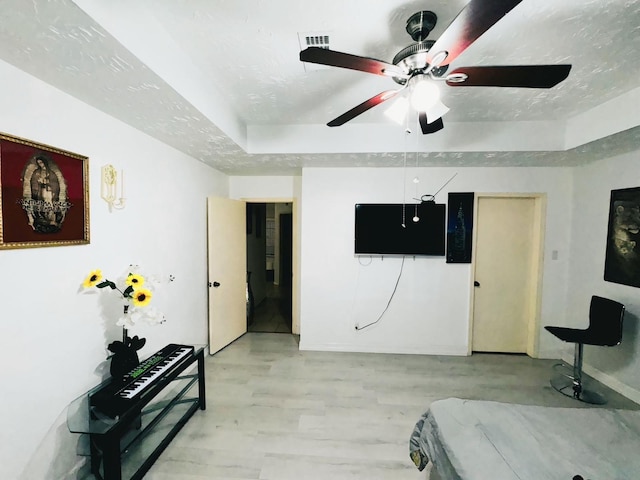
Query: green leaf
[107, 283]
[128, 291]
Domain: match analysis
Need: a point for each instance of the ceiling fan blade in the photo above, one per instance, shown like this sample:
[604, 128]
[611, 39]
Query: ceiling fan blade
[475, 19]
[528, 76]
[363, 107]
[432, 127]
[324, 56]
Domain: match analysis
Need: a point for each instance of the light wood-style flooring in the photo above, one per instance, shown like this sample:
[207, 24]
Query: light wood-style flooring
[277, 413]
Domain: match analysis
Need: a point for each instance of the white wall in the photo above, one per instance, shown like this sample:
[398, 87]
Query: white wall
[267, 189]
[617, 366]
[53, 338]
[430, 311]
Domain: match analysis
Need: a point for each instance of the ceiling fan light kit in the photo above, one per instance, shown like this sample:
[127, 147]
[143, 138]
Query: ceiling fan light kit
[436, 111]
[424, 63]
[398, 111]
[424, 93]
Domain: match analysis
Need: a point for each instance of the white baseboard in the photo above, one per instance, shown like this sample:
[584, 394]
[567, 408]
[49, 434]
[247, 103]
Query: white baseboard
[453, 350]
[606, 379]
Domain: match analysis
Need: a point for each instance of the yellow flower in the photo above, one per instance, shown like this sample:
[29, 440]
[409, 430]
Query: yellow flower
[141, 297]
[92, 279]
[135, 280]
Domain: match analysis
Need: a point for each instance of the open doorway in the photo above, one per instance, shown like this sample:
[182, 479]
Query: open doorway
[269, 267]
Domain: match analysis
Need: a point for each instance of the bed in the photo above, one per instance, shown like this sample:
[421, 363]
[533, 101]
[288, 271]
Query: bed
[483, 440]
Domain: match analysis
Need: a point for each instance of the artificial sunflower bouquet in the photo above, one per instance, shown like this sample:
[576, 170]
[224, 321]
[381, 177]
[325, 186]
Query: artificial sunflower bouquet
[135, 290]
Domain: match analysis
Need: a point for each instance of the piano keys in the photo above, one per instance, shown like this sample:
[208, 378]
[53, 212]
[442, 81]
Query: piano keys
[117, 396]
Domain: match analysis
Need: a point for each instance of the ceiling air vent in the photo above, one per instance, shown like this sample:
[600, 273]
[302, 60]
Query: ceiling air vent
[317, 41]
[313, 39]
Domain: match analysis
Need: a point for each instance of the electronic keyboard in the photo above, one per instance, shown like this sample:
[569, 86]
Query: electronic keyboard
[117, 397]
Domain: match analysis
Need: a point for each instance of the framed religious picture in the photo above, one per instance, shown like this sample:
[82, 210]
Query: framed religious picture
[622, 260]
[44, 195]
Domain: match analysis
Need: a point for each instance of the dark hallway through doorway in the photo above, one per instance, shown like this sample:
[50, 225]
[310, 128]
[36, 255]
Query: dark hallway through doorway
[270, 315]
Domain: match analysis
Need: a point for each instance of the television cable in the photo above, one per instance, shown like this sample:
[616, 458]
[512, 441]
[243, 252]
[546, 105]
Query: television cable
[395, 288]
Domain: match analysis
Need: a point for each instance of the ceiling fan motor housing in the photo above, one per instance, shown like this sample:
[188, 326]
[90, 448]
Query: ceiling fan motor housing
[413, 59]
[420, 25]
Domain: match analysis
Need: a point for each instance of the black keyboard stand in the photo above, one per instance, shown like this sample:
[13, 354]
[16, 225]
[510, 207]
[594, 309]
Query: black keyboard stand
[114, 442]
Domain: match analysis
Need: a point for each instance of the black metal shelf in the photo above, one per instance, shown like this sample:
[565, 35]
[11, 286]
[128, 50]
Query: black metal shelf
[118, 445]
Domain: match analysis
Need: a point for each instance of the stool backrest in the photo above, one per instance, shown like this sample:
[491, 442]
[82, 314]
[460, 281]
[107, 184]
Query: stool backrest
[605, 321]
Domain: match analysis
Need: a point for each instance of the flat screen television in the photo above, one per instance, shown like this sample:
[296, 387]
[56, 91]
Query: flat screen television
[379, 229]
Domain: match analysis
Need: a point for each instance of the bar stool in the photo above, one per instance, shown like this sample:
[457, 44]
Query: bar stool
[605, 329]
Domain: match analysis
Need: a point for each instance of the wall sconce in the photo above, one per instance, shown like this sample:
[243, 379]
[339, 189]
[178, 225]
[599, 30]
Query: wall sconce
[109, 187]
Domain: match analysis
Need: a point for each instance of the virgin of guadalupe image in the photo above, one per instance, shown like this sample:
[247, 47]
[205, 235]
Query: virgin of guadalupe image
[44, 194]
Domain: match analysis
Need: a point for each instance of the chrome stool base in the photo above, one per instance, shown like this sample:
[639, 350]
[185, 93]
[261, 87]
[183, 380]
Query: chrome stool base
[568, 380]
[574, 389]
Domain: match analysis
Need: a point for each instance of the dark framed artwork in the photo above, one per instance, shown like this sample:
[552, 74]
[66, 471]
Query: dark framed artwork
[622, 260]
[44, 195]
[459, 227]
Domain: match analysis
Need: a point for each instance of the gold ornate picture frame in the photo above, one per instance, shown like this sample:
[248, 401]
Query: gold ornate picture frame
[44, 195]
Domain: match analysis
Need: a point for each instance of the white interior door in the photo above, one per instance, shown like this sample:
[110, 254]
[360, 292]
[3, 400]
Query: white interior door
[504, 274]
[227, 253]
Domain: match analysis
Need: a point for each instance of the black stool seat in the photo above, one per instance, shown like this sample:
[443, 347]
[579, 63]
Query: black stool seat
[605, 329]
[586, 337]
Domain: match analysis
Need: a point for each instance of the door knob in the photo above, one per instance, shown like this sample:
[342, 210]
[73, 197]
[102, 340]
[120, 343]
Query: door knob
[476, 283]
[214, 284]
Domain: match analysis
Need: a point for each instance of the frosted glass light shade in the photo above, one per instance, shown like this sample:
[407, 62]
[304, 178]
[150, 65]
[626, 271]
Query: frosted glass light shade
[424, 93]
[436, 111]
[398, 110]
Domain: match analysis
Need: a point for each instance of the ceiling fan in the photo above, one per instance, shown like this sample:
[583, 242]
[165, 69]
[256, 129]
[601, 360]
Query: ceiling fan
[419, 66]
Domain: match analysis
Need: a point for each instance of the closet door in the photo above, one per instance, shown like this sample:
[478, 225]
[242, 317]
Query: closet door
[505, 274]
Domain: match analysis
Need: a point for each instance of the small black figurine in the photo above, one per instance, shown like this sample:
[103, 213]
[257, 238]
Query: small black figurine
[125, 356]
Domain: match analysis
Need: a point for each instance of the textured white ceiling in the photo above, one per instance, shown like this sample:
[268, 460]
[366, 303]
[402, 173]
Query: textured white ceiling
[221, 79]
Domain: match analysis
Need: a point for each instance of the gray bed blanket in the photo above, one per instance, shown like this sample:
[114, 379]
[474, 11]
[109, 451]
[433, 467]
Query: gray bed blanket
[482, 440]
